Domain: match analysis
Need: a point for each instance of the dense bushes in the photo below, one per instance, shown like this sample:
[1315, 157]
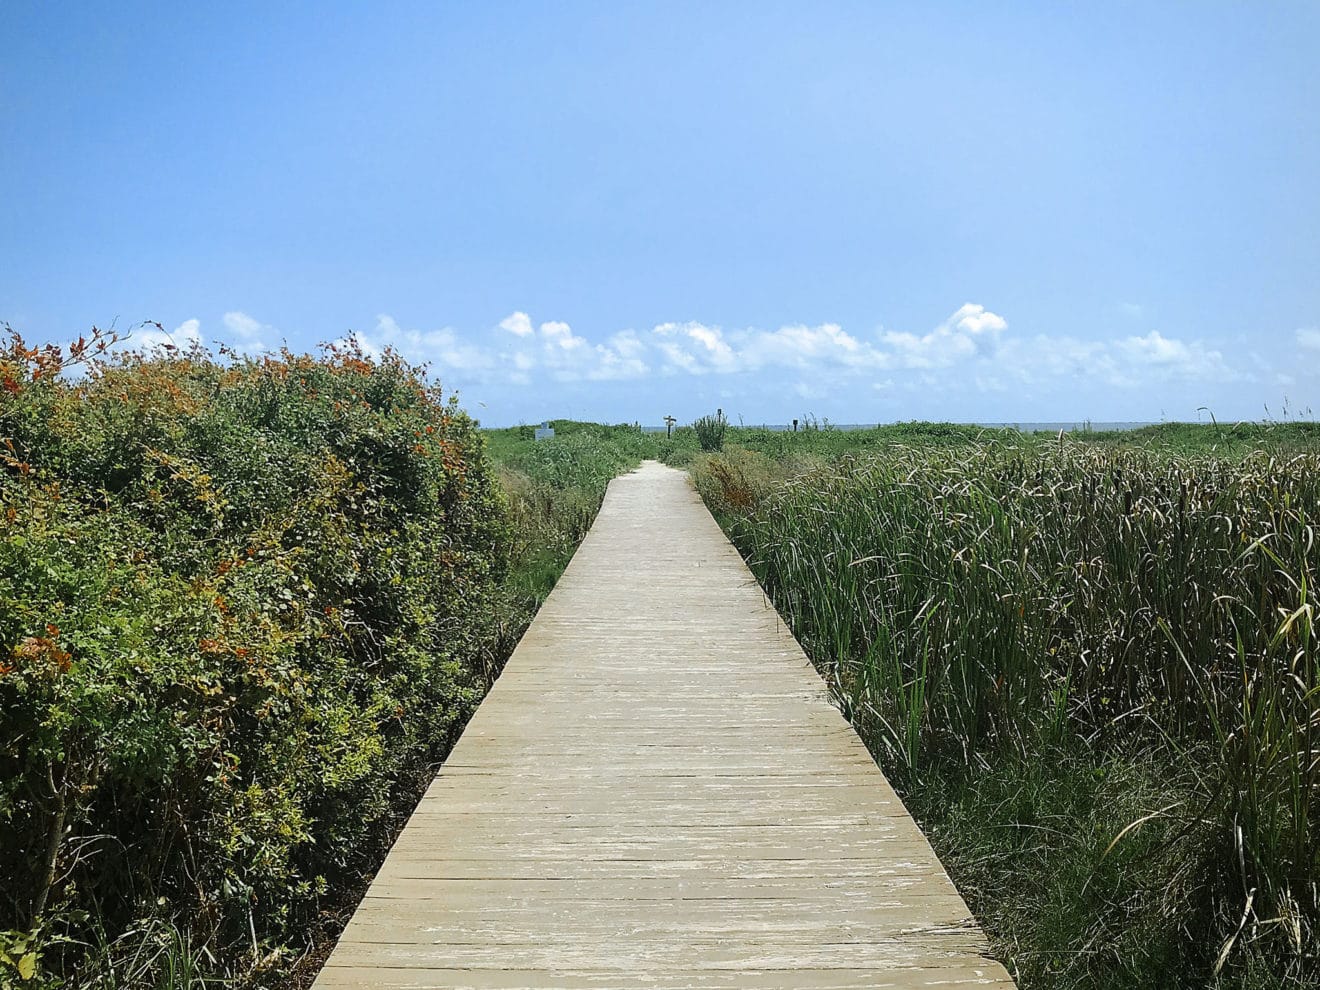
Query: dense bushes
[241, 603]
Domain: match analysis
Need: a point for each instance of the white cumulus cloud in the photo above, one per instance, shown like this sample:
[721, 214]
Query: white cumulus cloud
[970, 349]
[975, 320]
[242, 325]
[246, 334]
[694, 348]
[516, 351]
[971, 331]
[184, 336]
[1169, 357]
[800, 346]
[443, 347]
[519, 324]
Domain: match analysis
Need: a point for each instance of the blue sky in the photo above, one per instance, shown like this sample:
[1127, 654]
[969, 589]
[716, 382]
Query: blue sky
[866, 212]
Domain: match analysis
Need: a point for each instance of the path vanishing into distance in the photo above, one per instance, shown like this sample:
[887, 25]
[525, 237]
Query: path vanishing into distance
[657, 793]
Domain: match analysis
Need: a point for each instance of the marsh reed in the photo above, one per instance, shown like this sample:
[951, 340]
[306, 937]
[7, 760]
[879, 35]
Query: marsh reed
[1038, 604]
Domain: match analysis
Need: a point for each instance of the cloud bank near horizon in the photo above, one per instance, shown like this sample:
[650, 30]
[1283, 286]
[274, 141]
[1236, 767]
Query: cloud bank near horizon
[972, 352]
[520, 351]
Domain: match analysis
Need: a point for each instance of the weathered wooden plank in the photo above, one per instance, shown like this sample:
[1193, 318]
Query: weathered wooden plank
[657, 793]
[662, 978]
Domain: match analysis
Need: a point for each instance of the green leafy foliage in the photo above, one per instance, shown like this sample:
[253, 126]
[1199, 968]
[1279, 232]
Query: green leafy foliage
[242, 603]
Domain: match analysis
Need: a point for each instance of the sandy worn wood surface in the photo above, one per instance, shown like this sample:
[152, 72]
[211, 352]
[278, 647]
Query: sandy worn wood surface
[657, 793]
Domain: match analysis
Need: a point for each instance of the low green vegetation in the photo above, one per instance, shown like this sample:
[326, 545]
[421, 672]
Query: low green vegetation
[554, 487]
[246, 605]
[1089, 665]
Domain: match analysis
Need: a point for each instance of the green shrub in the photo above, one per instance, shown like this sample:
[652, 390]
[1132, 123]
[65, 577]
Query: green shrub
[710, 431]
[242, 603]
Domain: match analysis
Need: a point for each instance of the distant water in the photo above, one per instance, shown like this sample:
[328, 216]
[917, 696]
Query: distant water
[1065, 425]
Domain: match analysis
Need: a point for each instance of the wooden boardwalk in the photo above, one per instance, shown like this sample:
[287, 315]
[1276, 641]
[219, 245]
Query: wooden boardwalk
[657, 793]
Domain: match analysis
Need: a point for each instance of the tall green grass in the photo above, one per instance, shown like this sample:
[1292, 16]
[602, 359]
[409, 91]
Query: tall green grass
[710, 431]
[1091, 668]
